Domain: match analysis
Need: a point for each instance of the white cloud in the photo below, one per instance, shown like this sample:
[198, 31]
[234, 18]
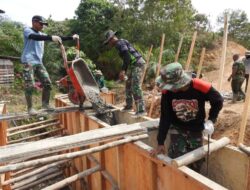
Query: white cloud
[23, 10]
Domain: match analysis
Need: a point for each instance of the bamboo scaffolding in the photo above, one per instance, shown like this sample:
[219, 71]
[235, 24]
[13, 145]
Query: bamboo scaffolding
[147, 63]
[42, 161]
[157, 74]
[199, 153]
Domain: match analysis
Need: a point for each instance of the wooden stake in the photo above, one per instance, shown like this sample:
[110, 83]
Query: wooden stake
[223, 53]
[201, 62]
[73, 178]
[179, 49]
[157, 74]
[199, 153]
[245, 114]
[147, 63]
[191, 51]
[42, 161]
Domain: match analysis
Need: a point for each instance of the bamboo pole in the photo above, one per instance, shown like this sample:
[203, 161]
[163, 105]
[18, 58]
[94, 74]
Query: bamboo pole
[147, 63]
[73, 178]
[31, 125]
[34, 128]
[179, 49]
[51, 176]
[34, 172]
[201, 62]
[199, 153]
[42, 161]
[223, 54]
[157, 74]
[35, 136]
[245, 114]
[245, 149]
[191, 51]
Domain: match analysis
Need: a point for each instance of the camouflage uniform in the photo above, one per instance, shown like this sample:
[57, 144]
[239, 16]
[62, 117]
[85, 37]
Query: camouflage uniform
[237, 81]
[182, 142]
[41, 73]
[133, 86]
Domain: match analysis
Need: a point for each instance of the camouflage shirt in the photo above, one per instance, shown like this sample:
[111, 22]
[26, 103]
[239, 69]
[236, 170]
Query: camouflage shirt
[240, 70]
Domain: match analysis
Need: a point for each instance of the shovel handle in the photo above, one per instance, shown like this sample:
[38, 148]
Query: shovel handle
[78, 48]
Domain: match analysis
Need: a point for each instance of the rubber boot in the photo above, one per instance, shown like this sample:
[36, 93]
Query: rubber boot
[140, 108]
[31, 110]
[45, 100]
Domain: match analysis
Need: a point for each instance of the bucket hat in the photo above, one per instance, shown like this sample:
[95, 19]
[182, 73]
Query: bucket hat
[108, 35]
[173, 77]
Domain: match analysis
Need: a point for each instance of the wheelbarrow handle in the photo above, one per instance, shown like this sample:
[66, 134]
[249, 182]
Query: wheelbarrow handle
[65, 61]
[78, 48]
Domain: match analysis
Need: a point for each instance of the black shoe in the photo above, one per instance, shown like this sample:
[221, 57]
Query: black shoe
[127, 108]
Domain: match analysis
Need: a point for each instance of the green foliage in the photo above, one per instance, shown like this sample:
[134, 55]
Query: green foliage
[238, 26]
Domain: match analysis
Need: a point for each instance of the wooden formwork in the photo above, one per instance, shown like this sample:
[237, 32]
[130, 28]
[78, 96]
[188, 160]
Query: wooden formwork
[129, 167]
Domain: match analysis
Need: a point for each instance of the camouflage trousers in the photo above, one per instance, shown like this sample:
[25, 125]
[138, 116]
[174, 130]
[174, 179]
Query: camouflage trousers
[238, 94]
[133, 87]
[29, 74]
[182, 142]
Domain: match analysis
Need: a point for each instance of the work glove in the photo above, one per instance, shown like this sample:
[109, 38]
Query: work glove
[56, 39]
[75, 37]
[208, 128]
[159, 150]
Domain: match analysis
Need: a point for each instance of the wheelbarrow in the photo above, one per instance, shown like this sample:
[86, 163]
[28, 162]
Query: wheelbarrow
[79, 79]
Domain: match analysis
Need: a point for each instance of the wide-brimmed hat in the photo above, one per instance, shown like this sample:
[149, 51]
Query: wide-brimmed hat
[40, 19]
[108, 35]
[173, 77]
[247, 53]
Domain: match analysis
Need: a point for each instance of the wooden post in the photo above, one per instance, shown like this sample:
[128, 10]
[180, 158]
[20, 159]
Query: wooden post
[179, 49]
[147, 63]
[199, 153]
[223, 54]
[191, 51]
[201, 62]
[157, 73]
[244, 114]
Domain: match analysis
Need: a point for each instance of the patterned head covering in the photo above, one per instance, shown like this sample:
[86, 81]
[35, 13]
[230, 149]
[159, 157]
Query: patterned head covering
[172, 77]
[108, 35]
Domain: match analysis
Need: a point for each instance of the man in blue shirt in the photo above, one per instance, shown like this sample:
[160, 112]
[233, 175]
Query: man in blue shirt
[32, 59]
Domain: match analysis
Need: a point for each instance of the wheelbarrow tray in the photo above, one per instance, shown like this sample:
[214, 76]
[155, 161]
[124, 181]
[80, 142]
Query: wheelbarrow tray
[82, 78]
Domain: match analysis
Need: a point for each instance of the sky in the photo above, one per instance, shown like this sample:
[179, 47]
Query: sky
[213, 8]
[23, 10]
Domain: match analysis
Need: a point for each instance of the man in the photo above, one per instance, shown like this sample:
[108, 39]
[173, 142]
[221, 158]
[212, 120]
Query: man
[246, 61]
[238, 77]
[183, 111]
[32, 61]
[132, 68]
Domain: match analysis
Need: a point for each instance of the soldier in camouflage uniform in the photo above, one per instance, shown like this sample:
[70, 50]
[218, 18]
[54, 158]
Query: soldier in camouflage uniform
[238, 77]
[133, 66]
[33, 64]
[183, 111]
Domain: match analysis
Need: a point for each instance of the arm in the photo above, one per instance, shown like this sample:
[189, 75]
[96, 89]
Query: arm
[38, 37]
[164, 120]
[126, 60]
[234, 70]
[216, 103]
